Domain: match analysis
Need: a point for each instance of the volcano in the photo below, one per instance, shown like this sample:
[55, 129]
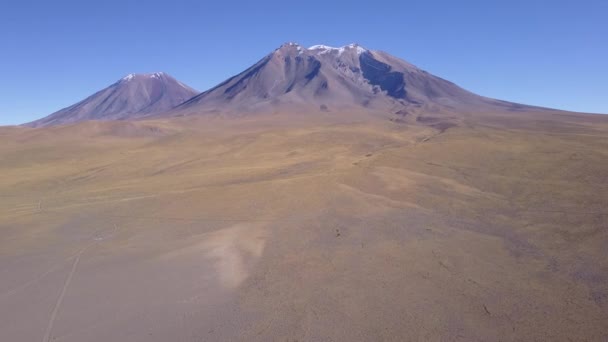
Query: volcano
[329, 78]
[132, 97]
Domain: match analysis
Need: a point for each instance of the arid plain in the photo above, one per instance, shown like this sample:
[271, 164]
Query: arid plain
[326, 227]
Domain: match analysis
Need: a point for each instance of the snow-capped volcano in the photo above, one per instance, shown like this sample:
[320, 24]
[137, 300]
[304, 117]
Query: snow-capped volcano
[327, 78]
[133, 96]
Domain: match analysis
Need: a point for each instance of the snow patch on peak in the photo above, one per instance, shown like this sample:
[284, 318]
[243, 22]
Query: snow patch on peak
[360, 49]
[157, 75]
[323, 49]
[128, 77]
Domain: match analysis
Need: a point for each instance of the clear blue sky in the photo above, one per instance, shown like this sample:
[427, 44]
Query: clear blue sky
[55, 53]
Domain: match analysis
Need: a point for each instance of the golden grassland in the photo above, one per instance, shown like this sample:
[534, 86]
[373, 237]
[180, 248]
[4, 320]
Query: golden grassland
[283, 228]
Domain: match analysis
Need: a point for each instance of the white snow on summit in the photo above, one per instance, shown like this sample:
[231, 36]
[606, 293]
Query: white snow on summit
[323, 49]
[128, 77]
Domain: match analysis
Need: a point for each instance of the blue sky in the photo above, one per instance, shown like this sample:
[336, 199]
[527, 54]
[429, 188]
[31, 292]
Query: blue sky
[55, 53]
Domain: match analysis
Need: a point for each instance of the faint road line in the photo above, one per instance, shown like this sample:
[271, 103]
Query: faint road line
[47, 334]
[32, 281]
[68, 280]
[55, 267]
[66, 285]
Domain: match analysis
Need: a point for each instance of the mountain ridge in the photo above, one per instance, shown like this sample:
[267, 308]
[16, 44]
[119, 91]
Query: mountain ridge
[291, 78]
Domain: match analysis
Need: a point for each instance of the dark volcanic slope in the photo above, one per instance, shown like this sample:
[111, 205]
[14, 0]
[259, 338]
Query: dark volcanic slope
[134, 96]
[327, 78]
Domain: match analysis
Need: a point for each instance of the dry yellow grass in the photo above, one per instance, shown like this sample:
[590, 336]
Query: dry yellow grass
[306, 229]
